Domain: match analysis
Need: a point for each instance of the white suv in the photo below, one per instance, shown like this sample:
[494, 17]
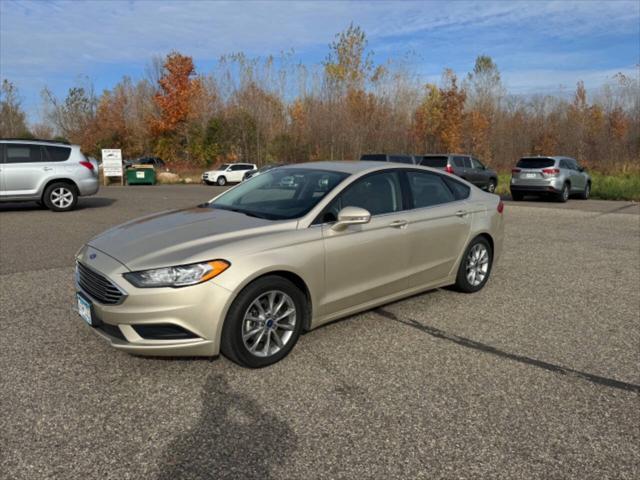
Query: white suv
[227, 172]
[52, 173]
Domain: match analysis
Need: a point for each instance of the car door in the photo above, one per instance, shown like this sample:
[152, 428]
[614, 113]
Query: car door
[1, 168]
[439, 225]
[235, 175]
[479, 174]
[25, 169]
[578, 179]
[366, 262]
[461, 165]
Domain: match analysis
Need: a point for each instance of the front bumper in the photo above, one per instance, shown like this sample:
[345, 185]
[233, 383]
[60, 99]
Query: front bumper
[197, 312]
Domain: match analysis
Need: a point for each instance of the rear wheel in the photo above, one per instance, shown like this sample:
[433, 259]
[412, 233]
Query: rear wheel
[475, 267]
[264, 322]
[563, 196]
[491, 188]
[586, 193]
[222, 181]
[60, 197]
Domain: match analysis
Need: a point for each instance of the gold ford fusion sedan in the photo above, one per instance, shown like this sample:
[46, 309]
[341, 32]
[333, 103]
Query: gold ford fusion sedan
[286, 251]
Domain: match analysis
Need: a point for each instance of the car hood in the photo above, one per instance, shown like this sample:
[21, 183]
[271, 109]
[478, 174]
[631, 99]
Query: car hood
[179, 236]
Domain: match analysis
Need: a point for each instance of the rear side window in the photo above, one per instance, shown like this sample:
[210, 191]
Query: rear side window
[460, 190]
[428, 189]
[23, 153]
[434, 162]
[462, 162]
[535, 163]
[58, 154]
[374, 157]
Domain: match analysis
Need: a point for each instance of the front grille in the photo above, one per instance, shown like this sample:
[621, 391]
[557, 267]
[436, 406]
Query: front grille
[97, 286]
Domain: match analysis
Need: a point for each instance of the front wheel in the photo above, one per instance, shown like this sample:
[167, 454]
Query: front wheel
[475, 267]
[264, 322]
[222, 181]
[60, 197]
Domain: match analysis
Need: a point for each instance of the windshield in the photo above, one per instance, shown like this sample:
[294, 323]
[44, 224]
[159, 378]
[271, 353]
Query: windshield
[280, 194]
[224, 166]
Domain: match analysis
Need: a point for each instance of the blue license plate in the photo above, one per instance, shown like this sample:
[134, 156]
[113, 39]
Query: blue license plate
[84, 309]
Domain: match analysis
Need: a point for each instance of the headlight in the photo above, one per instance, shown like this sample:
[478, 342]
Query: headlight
[179, 276]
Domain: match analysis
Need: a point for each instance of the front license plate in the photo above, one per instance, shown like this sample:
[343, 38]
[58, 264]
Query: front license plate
[530, 175]
[84, 309]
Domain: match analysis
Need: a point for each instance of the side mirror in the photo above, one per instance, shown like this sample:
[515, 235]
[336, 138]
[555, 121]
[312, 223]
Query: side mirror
[351, 216]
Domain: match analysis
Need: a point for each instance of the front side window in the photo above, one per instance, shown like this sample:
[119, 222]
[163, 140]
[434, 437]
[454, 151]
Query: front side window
[477, 164]
[428, 189]
[378, 193]
[23, 153]
[280, 194]
[401, 159]
[224, 166]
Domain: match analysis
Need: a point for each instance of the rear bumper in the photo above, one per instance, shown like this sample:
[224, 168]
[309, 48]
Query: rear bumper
[88, 186]
[535, 189]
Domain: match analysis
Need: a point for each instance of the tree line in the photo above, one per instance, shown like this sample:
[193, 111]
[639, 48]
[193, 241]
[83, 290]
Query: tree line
[274, 110]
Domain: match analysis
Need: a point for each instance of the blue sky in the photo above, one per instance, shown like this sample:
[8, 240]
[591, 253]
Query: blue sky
[540, 47]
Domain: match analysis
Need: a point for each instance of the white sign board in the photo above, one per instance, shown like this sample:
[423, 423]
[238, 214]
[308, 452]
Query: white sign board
[111, 162]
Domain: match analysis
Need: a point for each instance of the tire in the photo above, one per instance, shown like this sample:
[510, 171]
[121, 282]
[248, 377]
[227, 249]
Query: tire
[222, 181]
[586, 193]
[240, 321]
[563, 196]
[491, 187]
[516, 197]
[60, 197]
[472, 260]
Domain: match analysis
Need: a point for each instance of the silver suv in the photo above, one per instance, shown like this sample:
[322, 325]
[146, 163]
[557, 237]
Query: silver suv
[558, 177]
[52, 173]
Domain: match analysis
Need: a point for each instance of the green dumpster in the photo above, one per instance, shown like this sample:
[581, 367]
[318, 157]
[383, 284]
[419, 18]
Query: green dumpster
[141, 175]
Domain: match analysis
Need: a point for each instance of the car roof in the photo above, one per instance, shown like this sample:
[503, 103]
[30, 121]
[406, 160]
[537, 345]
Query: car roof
[37, 141]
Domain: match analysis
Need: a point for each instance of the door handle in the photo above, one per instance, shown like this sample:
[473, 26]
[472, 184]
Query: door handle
[399, 223]
[47, 169]
[461, 213]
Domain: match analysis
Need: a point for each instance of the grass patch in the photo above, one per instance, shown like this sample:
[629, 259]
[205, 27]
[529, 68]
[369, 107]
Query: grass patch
[619, 186]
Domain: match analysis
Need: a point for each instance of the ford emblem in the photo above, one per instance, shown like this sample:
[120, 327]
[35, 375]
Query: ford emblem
[92, 256]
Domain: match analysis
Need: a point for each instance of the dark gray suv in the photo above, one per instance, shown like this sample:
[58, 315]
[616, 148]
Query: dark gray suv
[464, 166]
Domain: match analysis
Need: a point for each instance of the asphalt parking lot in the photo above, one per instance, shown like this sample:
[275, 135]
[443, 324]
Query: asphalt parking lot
[536, 376]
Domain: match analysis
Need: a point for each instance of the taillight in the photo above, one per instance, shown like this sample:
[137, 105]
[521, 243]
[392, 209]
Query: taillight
[448, 169]
[551, 172]
[500, 206]
[515, 170]
[86, 164]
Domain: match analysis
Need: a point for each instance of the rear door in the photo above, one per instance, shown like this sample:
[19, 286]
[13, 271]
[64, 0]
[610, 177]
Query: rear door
[366, 262]
[478, 175]
[439, 225]
[578, 180]
[25, 169]
[461, 165]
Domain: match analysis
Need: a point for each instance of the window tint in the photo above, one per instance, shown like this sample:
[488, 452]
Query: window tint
[378, 193]
[21, 153]
[434, 162]
[572, 164]
[58, 154]
[428, 189]
[460, 190]
[535, 163]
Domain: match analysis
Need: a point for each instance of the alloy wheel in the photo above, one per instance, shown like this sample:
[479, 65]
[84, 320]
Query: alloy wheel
[62, 197]
[477, 264]
[269, 323]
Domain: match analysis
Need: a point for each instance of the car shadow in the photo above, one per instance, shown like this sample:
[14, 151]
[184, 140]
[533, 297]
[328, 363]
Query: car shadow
[233, 438]
[83, 204]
